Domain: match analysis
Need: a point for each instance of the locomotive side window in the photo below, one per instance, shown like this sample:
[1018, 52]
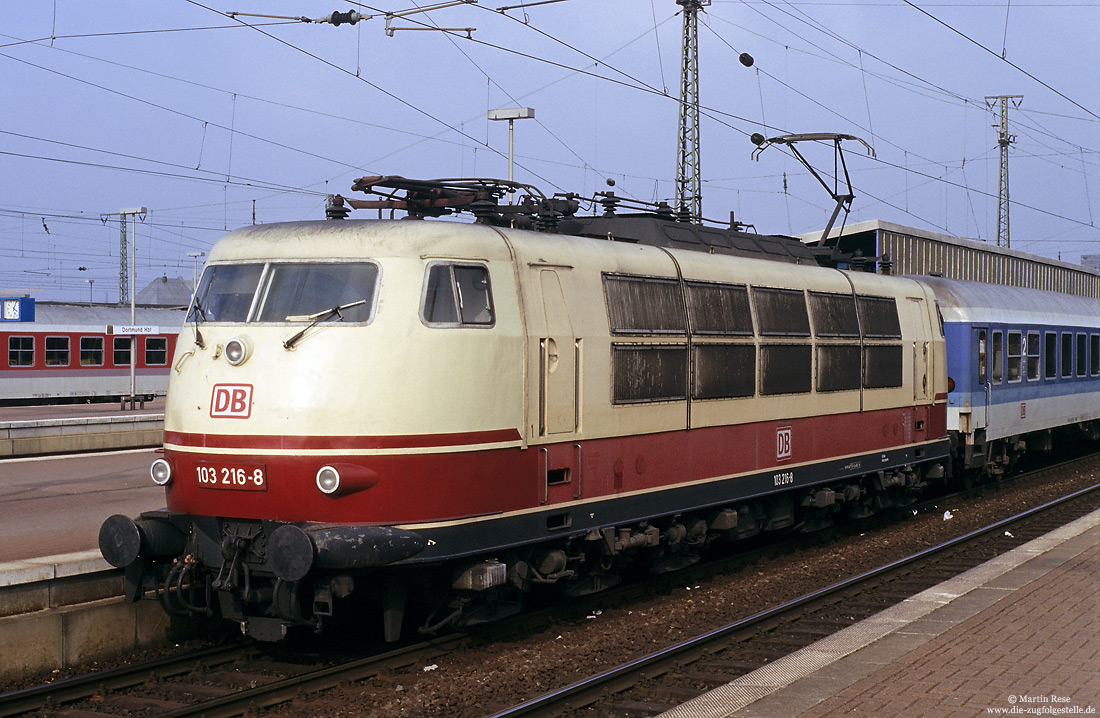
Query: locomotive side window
[458, 295]
[156, 351]
[724, 371]
[1033, 348]
[996, 358]
[785, 369]
[120, 355]
[834, 315]
[1082, 355]
[298, 291]
[719, 308]
[781, 312]
[1015, 355]
[91, 351]
[878, 317]
[225, 293]
[644, 305]
[57, 351]
[882, 366]
[20, 351]
[1067, 354]
[838, 367]
[1050, 368]
[1094, 354]
[648, 373]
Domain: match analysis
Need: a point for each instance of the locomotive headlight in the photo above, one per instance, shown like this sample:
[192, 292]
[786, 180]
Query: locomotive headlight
[237, 350]
[328, 480]
[161, 471]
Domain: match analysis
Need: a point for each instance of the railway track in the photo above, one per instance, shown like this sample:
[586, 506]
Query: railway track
[238, 678]
[659, 681]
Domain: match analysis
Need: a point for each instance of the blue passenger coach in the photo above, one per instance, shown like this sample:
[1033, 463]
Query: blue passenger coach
[1021, 363]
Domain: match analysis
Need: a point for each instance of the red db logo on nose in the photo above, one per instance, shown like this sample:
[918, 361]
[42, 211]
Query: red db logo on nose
[231, 401]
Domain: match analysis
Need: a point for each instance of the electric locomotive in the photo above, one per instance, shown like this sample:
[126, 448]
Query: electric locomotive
[444, 418]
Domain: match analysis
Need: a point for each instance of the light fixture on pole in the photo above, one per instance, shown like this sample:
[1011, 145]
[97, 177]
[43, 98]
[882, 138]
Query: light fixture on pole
[511, 114]
[195, 273]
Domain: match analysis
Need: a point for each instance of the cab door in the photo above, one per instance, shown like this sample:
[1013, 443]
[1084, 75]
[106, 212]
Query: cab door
[558, 361]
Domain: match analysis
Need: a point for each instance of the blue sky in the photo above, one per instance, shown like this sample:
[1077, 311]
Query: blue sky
[214, 122]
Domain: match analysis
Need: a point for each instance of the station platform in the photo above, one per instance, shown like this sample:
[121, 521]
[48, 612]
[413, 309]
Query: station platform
[1018, 635]
[37, 430]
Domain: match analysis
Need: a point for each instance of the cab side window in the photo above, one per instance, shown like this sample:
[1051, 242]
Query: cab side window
[458, 295]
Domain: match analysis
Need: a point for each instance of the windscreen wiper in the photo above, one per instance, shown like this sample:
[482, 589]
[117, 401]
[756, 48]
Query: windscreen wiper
[197, 313]
[317, 319]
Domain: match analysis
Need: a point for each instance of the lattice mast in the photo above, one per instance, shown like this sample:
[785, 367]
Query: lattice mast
[1004, 139]
[689, 195]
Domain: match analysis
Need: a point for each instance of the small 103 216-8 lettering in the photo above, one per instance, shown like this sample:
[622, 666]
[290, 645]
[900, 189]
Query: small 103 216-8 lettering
[783, 478]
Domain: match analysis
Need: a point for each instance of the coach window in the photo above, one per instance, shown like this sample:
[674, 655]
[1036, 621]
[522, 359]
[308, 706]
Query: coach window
[57, 351]
[996, 357]
[647, 305]
[1082, 355]
[1050, 365]
[120, 353]
[458, 295]
[1067, 354]
[156, 351]
[91, 351]
[21, 351]
[1015, 356]
[1033, 348]
[1094, 354]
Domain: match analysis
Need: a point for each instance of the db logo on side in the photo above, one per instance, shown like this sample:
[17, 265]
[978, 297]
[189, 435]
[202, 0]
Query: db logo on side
[783, 443]
[231, 401]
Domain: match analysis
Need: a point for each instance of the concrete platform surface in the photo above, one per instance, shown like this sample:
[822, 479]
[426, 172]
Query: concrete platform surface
[1018, 635]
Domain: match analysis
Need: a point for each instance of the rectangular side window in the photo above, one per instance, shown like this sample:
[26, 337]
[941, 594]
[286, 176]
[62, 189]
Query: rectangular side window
[648, 373]
[834, 315]
[57, 351]
[1067, 354]
[1050, 364]
[781, 312]
[1015, 355]
[838, 367]
[719, 308]
[785, 369]
[996, 358]
[878, 317]
[882, 366]
[1033, 349]
[20, 351]
[724, 371]
[120, 353]
[1082, 355]
[91, 351]
[458, 295]
[156, 351]
[1094, 354]
[644, 305]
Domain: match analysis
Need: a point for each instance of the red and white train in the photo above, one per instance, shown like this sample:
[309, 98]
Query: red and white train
[442, 418]
[58, 352]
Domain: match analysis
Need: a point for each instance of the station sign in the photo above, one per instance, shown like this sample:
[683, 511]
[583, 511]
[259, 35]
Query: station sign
[132, 329]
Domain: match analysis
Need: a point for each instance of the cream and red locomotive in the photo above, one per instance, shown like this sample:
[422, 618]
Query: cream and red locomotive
[443, 417]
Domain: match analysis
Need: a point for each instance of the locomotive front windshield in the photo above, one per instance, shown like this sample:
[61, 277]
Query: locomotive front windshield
[281, 292]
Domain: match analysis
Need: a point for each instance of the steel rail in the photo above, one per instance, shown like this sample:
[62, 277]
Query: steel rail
[561, 696]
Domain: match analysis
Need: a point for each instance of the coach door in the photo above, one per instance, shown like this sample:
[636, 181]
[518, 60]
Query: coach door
[979, 391]
[558, 361]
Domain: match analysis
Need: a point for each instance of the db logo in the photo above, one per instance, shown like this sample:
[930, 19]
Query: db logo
[783, 443]
[231, 401]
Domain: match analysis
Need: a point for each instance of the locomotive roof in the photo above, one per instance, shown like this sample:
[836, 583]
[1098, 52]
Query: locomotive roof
[977, 302]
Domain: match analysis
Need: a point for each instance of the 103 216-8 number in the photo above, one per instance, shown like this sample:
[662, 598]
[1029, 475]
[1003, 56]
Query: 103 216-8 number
[246, 477]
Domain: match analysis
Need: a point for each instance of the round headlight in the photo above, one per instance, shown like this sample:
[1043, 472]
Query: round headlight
[328, 480]
[161, 471]
[236, 350]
